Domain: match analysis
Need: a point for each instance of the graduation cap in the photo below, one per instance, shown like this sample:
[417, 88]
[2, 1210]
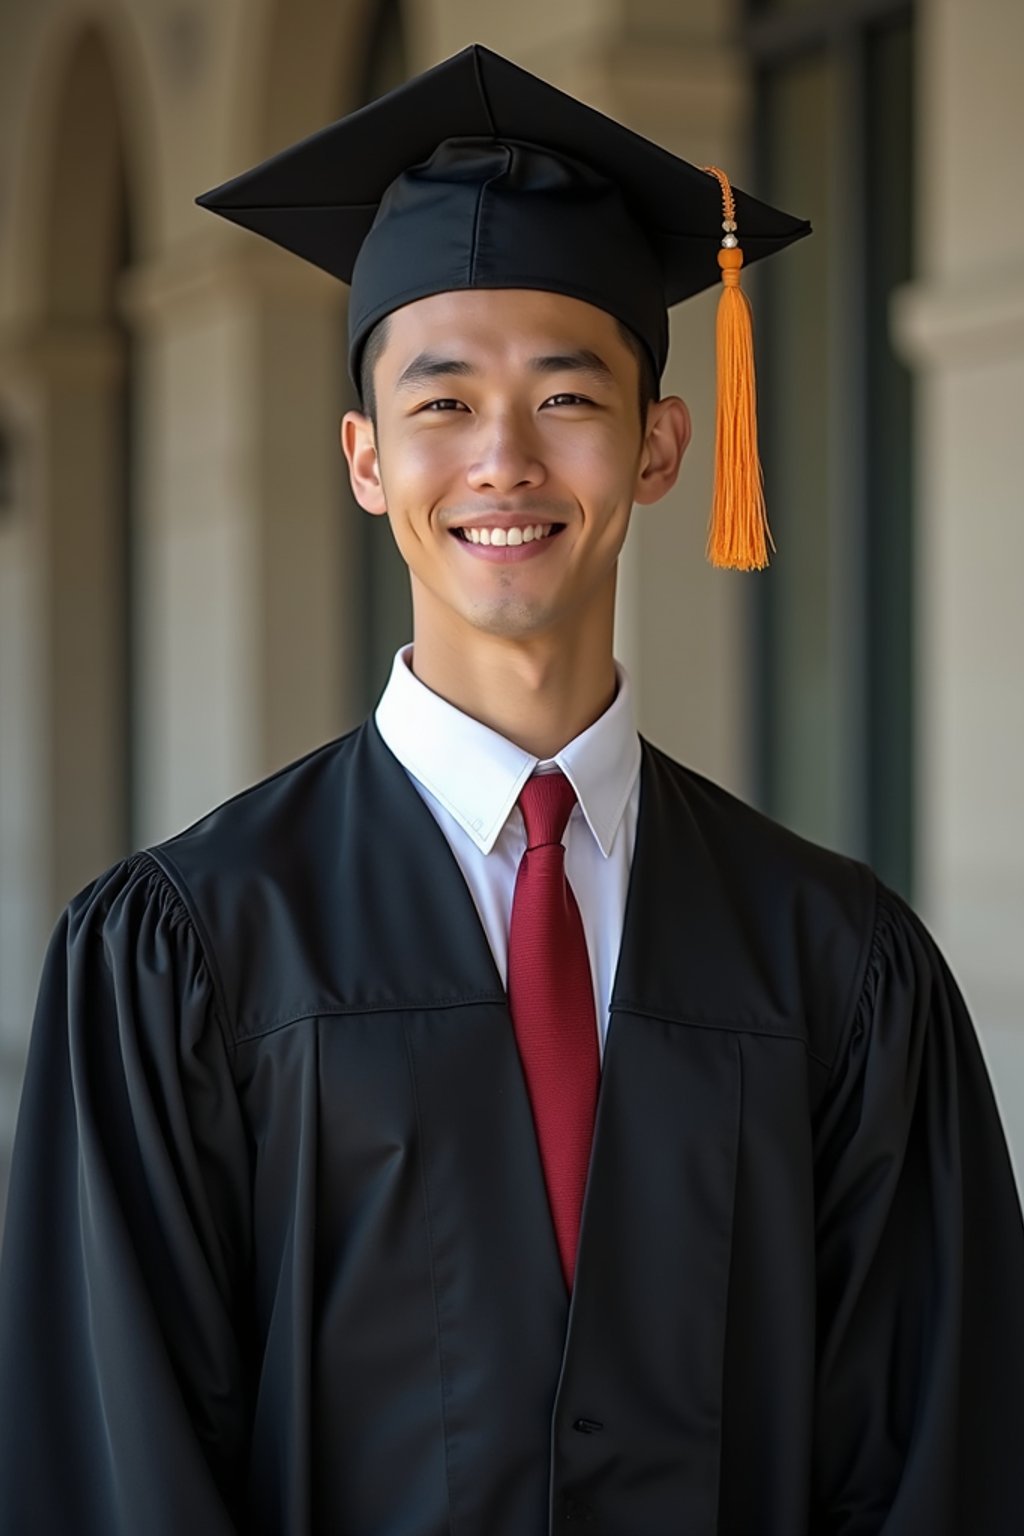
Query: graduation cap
[477, 174]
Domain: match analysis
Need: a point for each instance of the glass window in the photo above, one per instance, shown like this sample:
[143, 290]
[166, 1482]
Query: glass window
[834, 661]
[793, 389]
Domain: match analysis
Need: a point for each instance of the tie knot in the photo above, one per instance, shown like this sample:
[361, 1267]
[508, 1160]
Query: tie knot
[546, 801]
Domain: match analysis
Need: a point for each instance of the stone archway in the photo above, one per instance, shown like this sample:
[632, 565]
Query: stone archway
[65, 541]
[65, 373]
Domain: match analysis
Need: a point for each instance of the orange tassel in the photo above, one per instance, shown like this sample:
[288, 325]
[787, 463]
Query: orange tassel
[739, 537]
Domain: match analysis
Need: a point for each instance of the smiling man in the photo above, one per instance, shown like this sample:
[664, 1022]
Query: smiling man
[486, 1125]
[509, 438]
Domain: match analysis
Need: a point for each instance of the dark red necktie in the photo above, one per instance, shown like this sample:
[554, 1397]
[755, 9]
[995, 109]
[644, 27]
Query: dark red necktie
[551, 998]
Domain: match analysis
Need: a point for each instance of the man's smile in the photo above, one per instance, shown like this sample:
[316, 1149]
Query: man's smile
[503, 540]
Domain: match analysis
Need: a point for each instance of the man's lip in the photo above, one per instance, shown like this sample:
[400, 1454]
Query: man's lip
[508, 554]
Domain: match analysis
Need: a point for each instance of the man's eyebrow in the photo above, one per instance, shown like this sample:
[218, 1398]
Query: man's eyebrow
[580, 361]
[432, 365]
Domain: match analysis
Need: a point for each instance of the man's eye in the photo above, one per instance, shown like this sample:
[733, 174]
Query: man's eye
[568, 399]
[439, 405]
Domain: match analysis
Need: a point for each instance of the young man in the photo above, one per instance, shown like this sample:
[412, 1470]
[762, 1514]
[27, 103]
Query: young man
[486, 1125]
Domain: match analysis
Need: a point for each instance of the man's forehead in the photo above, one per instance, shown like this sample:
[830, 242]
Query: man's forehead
[515, 326]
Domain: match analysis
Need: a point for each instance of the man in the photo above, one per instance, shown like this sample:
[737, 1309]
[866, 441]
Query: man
[486, 1125]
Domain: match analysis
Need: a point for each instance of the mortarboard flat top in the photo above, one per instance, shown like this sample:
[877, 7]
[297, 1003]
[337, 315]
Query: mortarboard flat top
[478, 174]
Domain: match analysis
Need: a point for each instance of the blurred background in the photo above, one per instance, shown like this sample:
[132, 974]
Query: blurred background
[189, 597]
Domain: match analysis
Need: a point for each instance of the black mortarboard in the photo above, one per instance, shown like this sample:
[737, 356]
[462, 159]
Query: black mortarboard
[477, 174]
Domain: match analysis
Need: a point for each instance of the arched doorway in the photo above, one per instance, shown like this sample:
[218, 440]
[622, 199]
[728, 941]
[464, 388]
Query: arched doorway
[66, 760]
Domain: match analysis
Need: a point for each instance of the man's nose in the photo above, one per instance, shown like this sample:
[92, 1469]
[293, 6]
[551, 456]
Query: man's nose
[505, 458]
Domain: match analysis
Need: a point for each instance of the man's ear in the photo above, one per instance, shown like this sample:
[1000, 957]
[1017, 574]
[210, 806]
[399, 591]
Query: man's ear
[359, 445]
[668, 434]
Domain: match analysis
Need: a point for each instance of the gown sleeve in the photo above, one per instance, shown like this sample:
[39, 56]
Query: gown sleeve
[920, 1405]
[122, 1396]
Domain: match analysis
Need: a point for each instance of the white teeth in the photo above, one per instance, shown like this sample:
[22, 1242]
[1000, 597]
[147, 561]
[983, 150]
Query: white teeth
[504, 536]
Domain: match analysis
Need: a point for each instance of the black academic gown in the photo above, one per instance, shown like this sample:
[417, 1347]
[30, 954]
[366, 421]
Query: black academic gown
[279, 1260]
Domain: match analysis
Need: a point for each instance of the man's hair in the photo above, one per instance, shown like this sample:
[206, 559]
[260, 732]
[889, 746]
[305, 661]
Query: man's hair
[376, 341]
[648, 390]
[373, 346]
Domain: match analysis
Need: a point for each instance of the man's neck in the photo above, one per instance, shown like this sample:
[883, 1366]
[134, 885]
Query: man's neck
[540, 694]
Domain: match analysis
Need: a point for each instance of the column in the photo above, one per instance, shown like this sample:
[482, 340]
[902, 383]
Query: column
[244, 516]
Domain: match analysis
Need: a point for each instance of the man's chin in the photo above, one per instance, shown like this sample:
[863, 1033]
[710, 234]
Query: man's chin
[511, 619]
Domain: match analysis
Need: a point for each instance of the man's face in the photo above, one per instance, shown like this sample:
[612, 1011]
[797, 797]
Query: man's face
[508, 454]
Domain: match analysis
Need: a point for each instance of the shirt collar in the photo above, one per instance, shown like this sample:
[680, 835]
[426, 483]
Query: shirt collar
[477, 774]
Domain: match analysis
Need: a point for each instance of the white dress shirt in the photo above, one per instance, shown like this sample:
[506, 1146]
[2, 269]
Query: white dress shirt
[470, 778]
